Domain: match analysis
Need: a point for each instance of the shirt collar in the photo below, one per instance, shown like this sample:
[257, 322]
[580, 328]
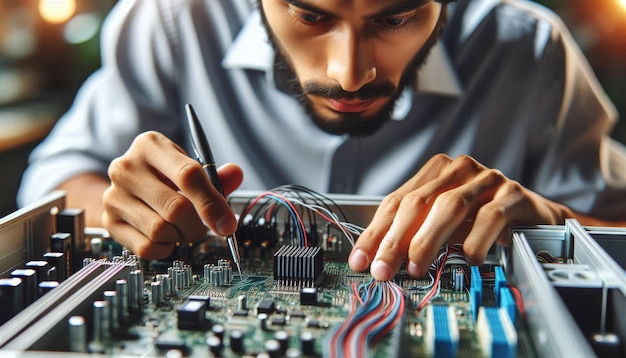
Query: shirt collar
[251, 49]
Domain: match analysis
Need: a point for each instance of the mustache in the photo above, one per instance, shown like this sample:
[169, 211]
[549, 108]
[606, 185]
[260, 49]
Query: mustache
[366, 92]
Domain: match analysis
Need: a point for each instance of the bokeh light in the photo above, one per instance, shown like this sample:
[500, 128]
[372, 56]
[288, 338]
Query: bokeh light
[622, 3]
[57, 11]
[81, 28]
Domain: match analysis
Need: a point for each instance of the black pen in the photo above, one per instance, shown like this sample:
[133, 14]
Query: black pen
[203, 152]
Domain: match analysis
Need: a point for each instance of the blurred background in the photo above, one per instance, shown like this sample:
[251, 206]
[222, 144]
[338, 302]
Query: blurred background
[49, 47]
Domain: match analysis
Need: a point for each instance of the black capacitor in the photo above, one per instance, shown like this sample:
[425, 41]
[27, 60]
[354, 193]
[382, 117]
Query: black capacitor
[45, 287]
[72, 221]
[307, 343]
[11, 298]
[112, 299]
[282, 337]
[215, 345]
[29, 278]
[41, 267]
[236, 341]
[218, 331]
[272, 347]
[77, 334]
[58, 263]
[62, 242]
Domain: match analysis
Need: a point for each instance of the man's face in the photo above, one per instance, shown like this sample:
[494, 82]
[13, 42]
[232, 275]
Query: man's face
[350, 59]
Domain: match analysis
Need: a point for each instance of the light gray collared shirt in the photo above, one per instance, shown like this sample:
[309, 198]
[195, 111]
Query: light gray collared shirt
[506, 85]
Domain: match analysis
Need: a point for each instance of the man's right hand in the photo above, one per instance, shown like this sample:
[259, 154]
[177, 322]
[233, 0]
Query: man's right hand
[159, 196]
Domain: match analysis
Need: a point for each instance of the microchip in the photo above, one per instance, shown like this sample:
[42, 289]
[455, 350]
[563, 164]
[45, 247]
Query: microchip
[165, 345]
[308, 296]
[192, 315]
[266, 306]
[278, 321]
[313, 323]
[298, 315]
[240, 313]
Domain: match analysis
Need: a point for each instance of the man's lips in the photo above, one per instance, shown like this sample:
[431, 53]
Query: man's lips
[350, 106]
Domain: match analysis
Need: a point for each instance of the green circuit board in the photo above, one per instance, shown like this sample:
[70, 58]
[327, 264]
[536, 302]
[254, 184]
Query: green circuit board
[157, 330]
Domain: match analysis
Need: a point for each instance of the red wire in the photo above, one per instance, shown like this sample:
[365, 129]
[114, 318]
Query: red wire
[432, 291]
[518, 299]
[288, 202]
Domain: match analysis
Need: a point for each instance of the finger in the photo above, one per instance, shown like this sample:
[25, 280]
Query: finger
[395, 243]
[231, 176]
[447, 215]
[154, 208]
[135, 241]
[406, 211]
[190, 178]
[366, 246]
[511, 204]
[369, 240]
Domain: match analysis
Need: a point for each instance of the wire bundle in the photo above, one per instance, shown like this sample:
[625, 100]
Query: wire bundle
[376, 308]
[300, 203]
[545, 257]
[446, 253]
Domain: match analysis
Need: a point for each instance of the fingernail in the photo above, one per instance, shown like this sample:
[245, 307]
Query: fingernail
[380, 270]
[414, 270]
[358, 260]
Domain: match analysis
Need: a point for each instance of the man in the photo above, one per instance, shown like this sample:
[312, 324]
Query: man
[331, 99]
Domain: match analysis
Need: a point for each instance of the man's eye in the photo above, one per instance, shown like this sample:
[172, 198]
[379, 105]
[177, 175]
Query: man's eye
[392, 22]
[396, 21]
[310, 18]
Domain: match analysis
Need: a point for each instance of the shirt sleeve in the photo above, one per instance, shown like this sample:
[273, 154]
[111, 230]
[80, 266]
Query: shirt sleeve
[134, 91]
[579, 164]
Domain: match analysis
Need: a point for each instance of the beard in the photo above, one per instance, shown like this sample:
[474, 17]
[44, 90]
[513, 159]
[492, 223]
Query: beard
[342, 123]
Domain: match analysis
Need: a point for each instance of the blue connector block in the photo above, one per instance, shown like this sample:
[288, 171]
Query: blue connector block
[507, 301]
[446, 340]
[476, 290]
[498, 336]
[500, 281]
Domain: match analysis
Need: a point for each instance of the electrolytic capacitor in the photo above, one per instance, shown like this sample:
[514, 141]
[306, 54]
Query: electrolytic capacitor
[157, 293]
[58, 262]
[41, 267]
[218, 331]
[307, 343]
[272, 347]
[166, 282]
[11, 297]
[62, 242]
[215, 345]
[112, 299]
[45, 287]
[77, 334]
[101, 319]
[136, 291]
[236, 341]
[121, 287]
[29, 281]
[282, 337]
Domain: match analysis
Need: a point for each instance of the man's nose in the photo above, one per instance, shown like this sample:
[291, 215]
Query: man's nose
[350, 61]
